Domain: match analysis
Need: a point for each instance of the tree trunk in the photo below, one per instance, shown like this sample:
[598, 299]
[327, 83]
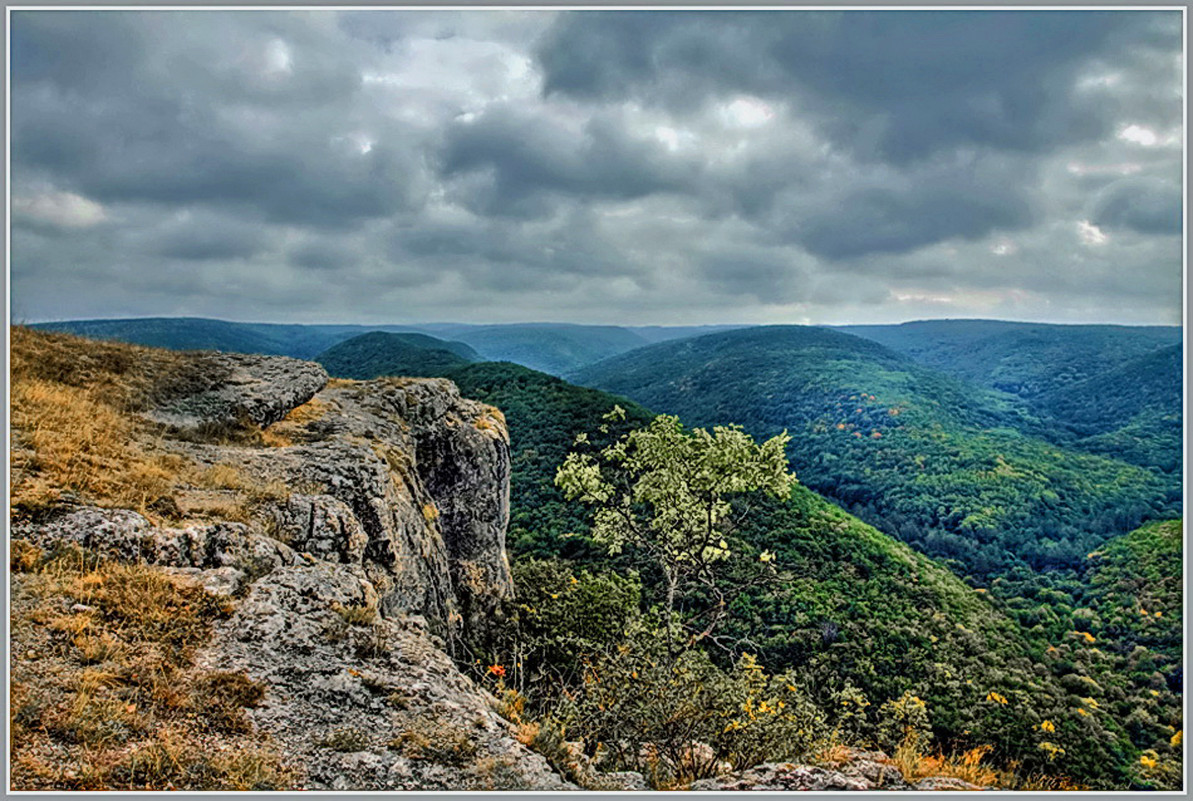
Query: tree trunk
[671, 582]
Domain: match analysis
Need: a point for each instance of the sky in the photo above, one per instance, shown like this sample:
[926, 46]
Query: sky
[635, 167]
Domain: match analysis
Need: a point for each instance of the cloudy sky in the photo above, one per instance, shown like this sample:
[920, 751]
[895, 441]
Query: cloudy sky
[615, 167]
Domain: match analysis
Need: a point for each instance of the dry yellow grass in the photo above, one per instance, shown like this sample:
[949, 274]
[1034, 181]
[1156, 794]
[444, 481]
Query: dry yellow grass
[73, 424]
[105, 696]
[293, 427]
[74, 442]
[966, 766]
[75, 428]
[970, 766]
[104, 692]
[125, 377]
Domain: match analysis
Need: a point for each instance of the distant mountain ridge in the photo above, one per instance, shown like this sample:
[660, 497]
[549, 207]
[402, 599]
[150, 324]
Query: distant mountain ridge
[1117, 389]
[554, 348]
[1025, 359]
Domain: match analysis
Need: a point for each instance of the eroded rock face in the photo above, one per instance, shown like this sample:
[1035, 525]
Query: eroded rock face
[260, 389]
[366, 704]
[235, 549]
[408, 481]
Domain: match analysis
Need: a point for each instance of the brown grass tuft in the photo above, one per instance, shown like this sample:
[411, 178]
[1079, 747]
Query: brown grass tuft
[428, 738]
[74, 442]
[125, 377]
[106, 696]
[966, 766]
[75, 430]
[299, 425]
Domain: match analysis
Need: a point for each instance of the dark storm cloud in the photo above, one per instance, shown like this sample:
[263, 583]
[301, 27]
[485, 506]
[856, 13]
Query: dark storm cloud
[201, 244]
[525, 155]
[214, 112]
[1145, 205]
[604, 166]
[160, 152]
[949, 201]
[890, 85]
[324, 255]
[496, 255]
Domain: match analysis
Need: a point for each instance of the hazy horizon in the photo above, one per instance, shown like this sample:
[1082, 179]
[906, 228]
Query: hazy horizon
[568, 322]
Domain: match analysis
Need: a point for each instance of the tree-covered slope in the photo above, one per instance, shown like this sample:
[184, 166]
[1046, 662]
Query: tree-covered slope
[862, 617]
[1135, 593]
[858, 608]
[1112, 631]
[1133, 605]
[1132, 411]
[1026, 359]
[381, 353]
[944, 464]
[554, 348]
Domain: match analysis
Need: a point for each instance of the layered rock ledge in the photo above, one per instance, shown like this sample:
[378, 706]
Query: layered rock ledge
[377, 549]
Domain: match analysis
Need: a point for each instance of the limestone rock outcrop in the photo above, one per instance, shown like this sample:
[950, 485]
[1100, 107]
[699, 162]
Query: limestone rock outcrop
[369, 543]
[403, 478]
[853, 770]
[366, 704]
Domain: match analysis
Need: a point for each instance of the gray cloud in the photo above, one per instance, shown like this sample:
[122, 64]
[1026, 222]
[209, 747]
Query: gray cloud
[892, 85]
[203, 108]
[322, 254]
[205, 237]
[953, 200]
[670, 167]
[523, 155]
[1145, 205]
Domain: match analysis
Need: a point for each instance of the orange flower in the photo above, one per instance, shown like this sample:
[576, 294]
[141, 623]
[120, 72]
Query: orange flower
[497, 670]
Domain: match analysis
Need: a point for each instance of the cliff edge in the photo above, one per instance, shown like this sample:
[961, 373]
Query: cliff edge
[354, 533]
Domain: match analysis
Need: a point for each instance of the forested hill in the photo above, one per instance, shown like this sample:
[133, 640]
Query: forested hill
[1114, 633]
[1115, 389]
[1133, 411]
[957, 470]
[1025, 359]
[383, 353]
[551, 347]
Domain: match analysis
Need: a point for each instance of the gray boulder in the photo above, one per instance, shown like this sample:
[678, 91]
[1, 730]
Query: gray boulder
[258, 389]
[127, 536]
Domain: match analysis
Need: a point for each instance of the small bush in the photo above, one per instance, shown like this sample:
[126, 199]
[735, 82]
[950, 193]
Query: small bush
[679, 719]
[356, 614]
[430, 739]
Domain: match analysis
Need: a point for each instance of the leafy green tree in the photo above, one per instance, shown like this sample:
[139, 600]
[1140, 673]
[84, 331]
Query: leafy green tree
[665, 490]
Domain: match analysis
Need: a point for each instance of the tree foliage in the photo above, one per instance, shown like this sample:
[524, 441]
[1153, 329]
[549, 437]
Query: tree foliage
[666, 491]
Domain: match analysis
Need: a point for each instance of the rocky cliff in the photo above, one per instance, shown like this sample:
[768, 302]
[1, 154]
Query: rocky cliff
[360, 537]
[401, 478]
